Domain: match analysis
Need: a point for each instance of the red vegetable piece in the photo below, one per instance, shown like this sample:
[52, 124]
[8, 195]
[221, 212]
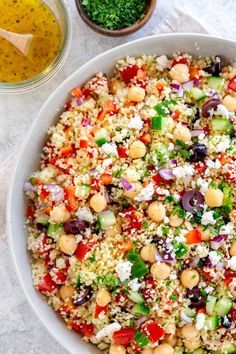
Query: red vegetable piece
[83, 143]
[71, 202]
[83, 249]
[43, 194]
[232, 84]
[76, 92]
[129, 73]
[153, 331]
[95, 184]
[122, 152]
[46, 284]
[87, 329]
[149, 292]
[229, 276]
[100, 309]
[124, 336]
[179, 61]
[106, 178]
[159, 180]
[193, 236]
[146, 138]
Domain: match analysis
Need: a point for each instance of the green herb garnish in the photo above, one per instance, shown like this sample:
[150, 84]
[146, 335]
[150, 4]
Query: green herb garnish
[182, 149]
[141, 339]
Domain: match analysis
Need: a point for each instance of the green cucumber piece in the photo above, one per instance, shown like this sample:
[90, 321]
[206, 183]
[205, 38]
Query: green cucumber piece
[106, 219]
[55, 231]
[230, 347]
[179, 350]
[210, 304]
[197, 94]
[190, 312]
[216, 83]
[212, 322]
[135, 296]
[141, 309]
[157, 123]
[222, 125]
[82, 191]
[223, 306]
[163, 107]
[101, 137]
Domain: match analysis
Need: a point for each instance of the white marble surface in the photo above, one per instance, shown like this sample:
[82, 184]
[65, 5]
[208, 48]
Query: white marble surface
[20, 330]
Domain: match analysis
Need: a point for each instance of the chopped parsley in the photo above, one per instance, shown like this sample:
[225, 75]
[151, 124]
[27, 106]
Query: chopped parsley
[145, 225]
[141, 339]
[110, 280]
[174, 297]
[182, 149]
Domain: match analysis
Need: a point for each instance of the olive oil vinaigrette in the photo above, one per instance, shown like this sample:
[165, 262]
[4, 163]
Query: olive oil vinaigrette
[36, 18]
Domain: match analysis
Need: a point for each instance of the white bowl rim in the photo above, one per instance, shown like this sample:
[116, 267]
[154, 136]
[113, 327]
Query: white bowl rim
[20, 156]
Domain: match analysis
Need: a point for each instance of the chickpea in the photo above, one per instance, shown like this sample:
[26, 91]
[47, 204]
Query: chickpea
[170, 339]
[117, 349]
[136, 94]
[147, 351]
[137, 149]
[68, 244]
[148, 253]
[233, 249]
[59, 214]
[230, 103]
[113, 230]
[160, 270]
[214, 197]
[189, 278]
[98, 202]
[175, 221]
[180, 73]
[137, 187]
[164, 349]
[205, 234]
[156, 211]
[182, 133]
[189, 332]
[66, 292]
[103, 297]
[192, 345]
[115, 85]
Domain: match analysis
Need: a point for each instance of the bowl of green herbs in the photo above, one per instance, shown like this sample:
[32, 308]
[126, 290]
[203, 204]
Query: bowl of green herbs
[116, 17]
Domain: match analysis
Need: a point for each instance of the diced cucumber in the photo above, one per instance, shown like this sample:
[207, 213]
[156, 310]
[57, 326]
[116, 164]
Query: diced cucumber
[42, 219]
[163, 107]
[230, 347]
[199, 351]
[178, 350]
[106, 219]
[210, 304]
[101, 137]
[82, 191]
[190, 312]
[222, 124]
[55, 231]
[181, 250]
[141, 309]
[197, 94]
[212, 322]
[223, 306]
[157, 123]
[216, 83]
[135, 296]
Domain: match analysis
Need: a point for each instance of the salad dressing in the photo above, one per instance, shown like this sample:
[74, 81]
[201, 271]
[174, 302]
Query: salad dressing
[36, 18]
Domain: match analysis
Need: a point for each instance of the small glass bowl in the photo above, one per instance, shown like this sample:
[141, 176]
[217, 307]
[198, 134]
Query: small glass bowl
[60, 10]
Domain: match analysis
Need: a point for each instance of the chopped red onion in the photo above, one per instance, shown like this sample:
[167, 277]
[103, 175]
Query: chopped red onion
[140, 321]
[176, 87]
[195, 261]
[126, 184]
[159, 257]
[181, 92]
[79, 101]
[173, 162]
[57, 191]
[188, 85]
[220, 265]
[106, 195]
[185, 124]
[197, 132]
[85, 122]
[196, 82]
[168, 257]
[29, 188]
[166, 174]
[216, 242]
[185, 318]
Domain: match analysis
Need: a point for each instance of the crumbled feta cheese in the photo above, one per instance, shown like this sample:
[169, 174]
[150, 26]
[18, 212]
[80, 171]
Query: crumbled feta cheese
[185, 171]
[134, 284]
[109, 149]
[200, 320]
[166, 220]
[123, 269]
[135, 123]
[106, 163]
[209, 289]
[214, 257]
[232, 263]
[162, 62]
[201, 136]
[171, 147]
[172, 276]
[79, 238]
[207, 218]
[222, 146]
[162, 191]
[108, 330]
[227, 229]
[146, 193]
[176, 197]
[213, 164]
[220, 111]
[84, 213]
[204, 185]
[202, 251]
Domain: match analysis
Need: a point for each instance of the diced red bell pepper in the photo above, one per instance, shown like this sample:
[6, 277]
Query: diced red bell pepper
[86, 92]
[201, 310]
[232, 84]
[179, 61]
[109, 107]
[46, 284]
[121, 298]
[201, 168]
[60, 276]
[193, 236]
[122, 151]
[149, 290]
[160, 87]
[124, 336]
[83, 143]
[106, 178]
[67, 105]
[70, 199]
[146, 138]
[233, 314]
[43, 194]
[129, 73]
[76, 92]
[229, 276]
[83, 249]
[100, 309]
[175, 114]
[95, 184]
[75, 327]
[87, 329]
[153, 331]
[29, 212]
[194, 73]
[159, 180]
[67, 151]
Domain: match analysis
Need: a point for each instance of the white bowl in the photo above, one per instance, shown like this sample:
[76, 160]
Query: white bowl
[28, 162]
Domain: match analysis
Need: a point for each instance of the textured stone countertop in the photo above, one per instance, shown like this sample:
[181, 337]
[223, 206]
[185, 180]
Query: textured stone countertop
[20, 330]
